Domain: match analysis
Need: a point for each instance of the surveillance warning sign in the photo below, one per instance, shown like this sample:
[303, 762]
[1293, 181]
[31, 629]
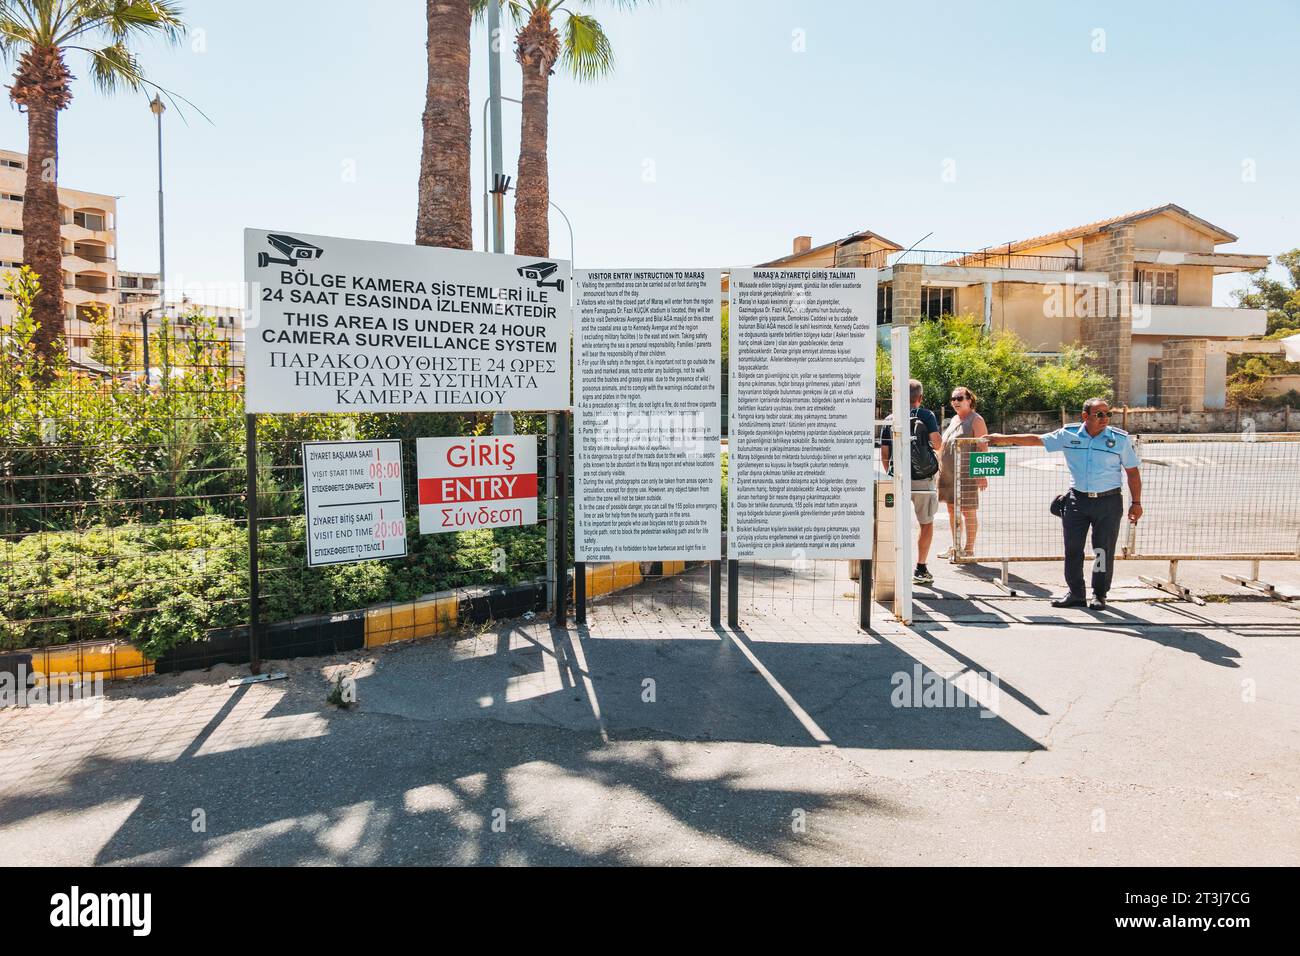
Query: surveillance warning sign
[345, 325]
[486, 481]
[356, 506]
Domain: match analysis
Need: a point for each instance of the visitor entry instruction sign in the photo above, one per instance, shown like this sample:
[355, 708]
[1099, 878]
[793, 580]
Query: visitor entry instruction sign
[648, 414]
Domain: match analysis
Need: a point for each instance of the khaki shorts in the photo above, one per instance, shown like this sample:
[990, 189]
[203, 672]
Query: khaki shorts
[925, 501]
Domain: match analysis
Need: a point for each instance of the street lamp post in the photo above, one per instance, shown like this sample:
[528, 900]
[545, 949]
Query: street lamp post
[157, 107]
[503, 423]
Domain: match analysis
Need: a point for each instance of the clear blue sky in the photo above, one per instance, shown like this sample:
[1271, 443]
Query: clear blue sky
[751, 141]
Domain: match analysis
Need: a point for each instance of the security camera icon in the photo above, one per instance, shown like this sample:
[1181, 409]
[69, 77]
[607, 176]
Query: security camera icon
[540, 272]
[294, 249]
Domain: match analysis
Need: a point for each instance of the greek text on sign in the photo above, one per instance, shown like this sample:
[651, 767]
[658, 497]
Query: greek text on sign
[342, 325]
[356, 508]
[988, 464]
[485, 481]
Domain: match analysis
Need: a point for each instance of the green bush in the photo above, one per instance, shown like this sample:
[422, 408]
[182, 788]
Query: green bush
[163, 584]
[956, 350]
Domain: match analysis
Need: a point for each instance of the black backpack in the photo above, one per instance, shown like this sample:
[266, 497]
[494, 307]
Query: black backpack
[925, 464]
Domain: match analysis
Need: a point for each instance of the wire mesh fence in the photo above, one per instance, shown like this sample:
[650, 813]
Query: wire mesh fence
[799, 589]
[124, 510]
[1203, 496]
[455, 567]
[1215, 496]
[121, 492]
[123, 503]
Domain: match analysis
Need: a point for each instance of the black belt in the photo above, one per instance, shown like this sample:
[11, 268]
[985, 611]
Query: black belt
[1095, 494]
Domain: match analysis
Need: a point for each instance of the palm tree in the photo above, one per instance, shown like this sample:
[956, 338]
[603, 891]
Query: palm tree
[444, 217]
[38, 33]
[582, 50]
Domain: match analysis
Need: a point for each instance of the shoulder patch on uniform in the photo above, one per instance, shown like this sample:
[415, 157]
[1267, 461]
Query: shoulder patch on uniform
[1118, 431]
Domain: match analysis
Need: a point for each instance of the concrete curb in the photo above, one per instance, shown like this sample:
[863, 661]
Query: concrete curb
[313, 635]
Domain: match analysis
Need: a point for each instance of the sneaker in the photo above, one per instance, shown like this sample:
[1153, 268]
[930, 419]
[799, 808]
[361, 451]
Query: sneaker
[922, 577]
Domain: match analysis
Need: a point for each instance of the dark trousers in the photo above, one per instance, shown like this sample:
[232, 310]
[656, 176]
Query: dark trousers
[1103, 516]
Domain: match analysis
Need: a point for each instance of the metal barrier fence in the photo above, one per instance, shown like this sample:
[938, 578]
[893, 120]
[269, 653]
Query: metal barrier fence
[1204, 497]
[124, 509]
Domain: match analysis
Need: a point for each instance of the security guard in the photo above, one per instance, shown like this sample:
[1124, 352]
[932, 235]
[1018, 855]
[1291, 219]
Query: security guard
[1097, 455]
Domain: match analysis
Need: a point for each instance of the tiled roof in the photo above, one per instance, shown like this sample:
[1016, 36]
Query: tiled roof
[1104, 224]
[854, 237]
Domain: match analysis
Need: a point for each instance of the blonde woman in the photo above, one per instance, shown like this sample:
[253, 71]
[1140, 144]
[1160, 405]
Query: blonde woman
[965, 423]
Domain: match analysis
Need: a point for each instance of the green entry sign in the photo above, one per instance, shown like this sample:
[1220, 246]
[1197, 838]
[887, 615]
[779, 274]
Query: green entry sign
[988, 464]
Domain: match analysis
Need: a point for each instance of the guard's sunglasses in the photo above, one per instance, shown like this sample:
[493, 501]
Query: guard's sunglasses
[1100, 414]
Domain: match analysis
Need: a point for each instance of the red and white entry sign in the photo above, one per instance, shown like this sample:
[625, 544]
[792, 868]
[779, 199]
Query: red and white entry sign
[487, 481]
[355, 504]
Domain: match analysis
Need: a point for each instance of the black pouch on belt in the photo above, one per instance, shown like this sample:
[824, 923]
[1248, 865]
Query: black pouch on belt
[1057, 506]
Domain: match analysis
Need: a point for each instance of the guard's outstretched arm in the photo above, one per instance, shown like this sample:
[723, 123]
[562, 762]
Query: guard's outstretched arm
[1028, 440]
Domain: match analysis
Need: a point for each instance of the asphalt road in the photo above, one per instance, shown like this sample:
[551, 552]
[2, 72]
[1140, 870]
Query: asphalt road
[1156, 734]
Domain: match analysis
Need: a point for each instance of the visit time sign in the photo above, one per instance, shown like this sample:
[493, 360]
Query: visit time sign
[356, 505]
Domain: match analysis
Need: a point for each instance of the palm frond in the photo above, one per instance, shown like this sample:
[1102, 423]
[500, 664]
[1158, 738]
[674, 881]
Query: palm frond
[616, 4]
[113, 67]
[122, 19]
[19, 25]
[519, 10]
[587, 53]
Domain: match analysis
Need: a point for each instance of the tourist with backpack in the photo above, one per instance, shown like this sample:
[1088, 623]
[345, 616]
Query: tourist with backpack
[926, 443]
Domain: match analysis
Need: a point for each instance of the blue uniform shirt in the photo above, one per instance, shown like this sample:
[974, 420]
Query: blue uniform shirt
[1096, 464]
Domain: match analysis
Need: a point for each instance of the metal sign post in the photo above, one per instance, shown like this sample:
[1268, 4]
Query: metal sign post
[562, 520]
[254, 591]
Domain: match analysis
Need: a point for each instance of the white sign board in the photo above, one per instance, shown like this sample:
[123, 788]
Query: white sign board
[356, 509]
[648, 414]
[801, 422]
[486, 481]
[342, 325]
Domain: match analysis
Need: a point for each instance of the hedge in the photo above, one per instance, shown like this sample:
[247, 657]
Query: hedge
[163, 584]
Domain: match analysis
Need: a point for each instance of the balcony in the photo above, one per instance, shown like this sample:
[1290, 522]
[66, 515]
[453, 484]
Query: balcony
[91, 253]
[1198, 321]
[95, 285]
[980, 259]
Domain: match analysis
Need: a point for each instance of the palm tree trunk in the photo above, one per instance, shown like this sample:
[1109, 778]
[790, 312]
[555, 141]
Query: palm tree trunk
[444, 217]
[42, 242]
[537, 49]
